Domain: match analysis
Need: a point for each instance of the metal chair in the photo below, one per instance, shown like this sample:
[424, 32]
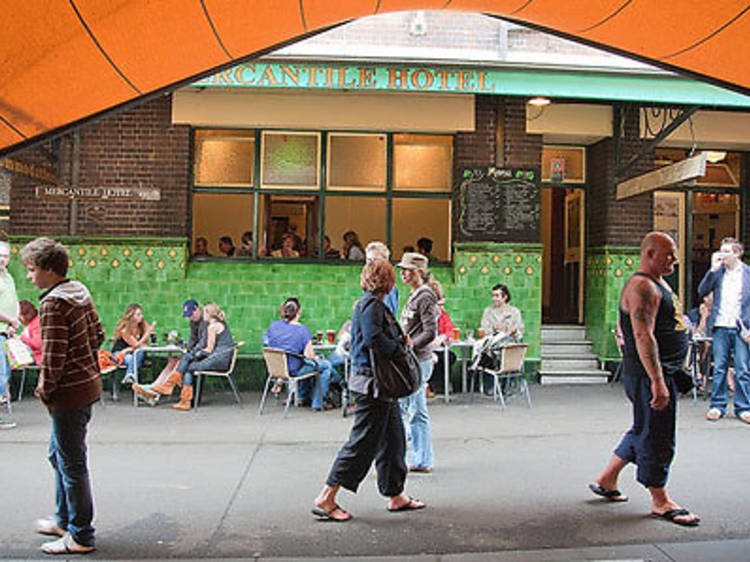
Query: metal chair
[227, 374]
[278, 370]
[510, 371]
[618, 372]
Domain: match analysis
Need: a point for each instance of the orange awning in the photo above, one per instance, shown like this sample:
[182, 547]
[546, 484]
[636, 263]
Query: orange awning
[65, 62]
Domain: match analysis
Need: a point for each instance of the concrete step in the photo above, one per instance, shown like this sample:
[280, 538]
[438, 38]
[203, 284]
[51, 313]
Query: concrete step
[570, 363]
[559, 376]
[579, 348]
[563, 333]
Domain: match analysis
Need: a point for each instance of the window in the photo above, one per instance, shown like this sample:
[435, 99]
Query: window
[310, 194]
[224, 158]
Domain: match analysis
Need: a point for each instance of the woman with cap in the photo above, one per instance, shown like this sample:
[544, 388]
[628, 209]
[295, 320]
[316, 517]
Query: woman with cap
[377, 433]
[419, 322]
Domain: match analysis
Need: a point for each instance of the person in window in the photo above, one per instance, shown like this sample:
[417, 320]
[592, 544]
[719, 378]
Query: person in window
[287, 248]
[424, 247]
[226, 246]
[246, 246]
[352, 249]
[329, 251]
[295, 338]
[501, 317]
[378, 432]
[131, 332]
[31, 334]
[201, 247]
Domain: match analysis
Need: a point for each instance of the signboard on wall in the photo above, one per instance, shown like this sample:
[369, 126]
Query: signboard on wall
[498, 205]
[679, 172]
[103, 193]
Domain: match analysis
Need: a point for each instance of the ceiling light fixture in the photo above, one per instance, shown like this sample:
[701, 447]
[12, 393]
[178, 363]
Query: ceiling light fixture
[539, 101]
[715, 156]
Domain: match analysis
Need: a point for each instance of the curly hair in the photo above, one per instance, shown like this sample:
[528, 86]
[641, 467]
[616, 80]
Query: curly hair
[128, 325]
[378, 277]
[46, 254]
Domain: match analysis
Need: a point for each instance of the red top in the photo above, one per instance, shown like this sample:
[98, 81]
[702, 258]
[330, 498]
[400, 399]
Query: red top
[32, 336]
[445, 324]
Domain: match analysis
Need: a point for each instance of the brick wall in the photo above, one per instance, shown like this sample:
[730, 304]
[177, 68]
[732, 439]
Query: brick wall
[521, 150]
[477, 149]
[612, 222]
[137, 148]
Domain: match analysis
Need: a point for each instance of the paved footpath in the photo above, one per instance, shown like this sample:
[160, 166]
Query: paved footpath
[223, 483]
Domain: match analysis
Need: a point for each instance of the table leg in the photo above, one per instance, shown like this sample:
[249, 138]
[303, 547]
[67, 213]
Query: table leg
[463, 370]
[446, 372]
[135, 376]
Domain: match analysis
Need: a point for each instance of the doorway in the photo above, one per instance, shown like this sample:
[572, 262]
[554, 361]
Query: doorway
[563, 237]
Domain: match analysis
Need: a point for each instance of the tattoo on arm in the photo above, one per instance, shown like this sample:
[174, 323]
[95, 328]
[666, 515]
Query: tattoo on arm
[644, 307]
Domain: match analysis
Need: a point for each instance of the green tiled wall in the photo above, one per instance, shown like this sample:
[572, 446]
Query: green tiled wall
[607, 269]
[156, 274]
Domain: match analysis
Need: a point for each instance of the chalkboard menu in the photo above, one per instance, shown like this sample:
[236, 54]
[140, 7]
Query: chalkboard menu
[498, 205]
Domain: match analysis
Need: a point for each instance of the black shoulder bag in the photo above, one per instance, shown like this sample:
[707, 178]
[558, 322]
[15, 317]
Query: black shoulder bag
[398, 376]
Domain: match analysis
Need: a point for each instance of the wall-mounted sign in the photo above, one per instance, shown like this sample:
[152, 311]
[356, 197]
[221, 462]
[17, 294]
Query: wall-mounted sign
[104, 193]
[679, 172]
[30, 170]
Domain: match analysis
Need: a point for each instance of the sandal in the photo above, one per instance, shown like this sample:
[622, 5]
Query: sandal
[412, 505]
[611, 495]
[672, 515]
[324, 515]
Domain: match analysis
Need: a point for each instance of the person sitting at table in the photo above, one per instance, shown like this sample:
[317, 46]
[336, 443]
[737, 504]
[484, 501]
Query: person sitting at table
[329, 252]
[502, 317]
[246, 246]
[293, 337]
[201, 247]
[163, 384]
[32, 333]
[445, 335]
[131, 332]
[352, 249]
[287, 248]
[214, 356]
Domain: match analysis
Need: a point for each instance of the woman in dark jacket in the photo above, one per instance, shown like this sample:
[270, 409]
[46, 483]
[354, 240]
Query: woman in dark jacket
[377, 433]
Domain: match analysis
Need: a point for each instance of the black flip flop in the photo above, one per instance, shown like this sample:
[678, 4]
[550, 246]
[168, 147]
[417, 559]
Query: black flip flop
[408, 506]
[611, 495]
[672, 514]
[324, 515]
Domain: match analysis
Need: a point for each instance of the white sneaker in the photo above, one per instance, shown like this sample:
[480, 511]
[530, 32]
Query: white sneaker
[48, 526]
[7, 424]
[65, 545]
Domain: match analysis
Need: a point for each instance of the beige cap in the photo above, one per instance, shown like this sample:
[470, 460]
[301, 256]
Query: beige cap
[413, 260]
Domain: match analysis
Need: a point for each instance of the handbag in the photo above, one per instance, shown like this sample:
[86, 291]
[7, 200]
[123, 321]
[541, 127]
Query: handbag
[19, 354]
[400, 375]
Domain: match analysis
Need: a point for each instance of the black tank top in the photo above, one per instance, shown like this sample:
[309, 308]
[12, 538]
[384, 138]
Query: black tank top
[670, 332]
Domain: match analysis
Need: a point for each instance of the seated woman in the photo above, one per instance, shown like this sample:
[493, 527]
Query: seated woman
[287, 248]
[352, 249]
[216, 356]
[445, 334]
[31, 334]
[294, 338]
[131, 332]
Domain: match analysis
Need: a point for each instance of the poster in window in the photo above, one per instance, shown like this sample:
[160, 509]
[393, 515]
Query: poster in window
[557, 169]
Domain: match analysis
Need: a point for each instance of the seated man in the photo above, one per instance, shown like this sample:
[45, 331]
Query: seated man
[294, 338]
[501, 317]
[152, 392]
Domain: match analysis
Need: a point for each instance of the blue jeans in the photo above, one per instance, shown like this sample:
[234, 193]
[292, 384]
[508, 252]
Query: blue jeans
[4, 366]
[67, 455]
[420, 453]
[128, 362]
[727, 341]
[325, 372]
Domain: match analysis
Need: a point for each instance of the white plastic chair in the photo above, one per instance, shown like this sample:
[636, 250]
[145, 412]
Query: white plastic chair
[278, 370]
[227, 374]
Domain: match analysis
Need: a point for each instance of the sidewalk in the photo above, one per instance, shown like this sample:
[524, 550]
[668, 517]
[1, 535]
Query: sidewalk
[224, 483]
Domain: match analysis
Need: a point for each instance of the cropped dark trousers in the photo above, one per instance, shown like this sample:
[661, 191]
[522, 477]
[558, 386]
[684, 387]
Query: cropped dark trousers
[377, 434]
[650, 443]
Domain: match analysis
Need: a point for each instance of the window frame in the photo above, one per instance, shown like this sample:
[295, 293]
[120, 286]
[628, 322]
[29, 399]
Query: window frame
[389, 194]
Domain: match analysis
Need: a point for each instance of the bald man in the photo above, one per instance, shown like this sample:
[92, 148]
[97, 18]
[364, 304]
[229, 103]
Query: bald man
[655, 348]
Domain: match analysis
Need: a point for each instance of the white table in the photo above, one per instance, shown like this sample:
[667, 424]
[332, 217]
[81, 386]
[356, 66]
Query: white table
[168, 348]
[462, 346]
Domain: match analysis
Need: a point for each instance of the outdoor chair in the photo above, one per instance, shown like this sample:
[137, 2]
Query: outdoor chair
[278, 371]
[507, 373]
[22, 382]
[618, 372]
[227, 374]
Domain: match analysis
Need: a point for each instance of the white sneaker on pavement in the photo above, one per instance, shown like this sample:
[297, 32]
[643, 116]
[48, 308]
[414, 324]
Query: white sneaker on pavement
[48, 526]
[65, 545]
[7, 424]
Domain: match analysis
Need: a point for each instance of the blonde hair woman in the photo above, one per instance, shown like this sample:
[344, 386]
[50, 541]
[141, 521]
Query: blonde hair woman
[131, 332]
[214, 357]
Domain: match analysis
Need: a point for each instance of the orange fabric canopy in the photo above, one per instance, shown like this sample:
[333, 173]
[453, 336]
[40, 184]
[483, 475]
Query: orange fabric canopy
[64, 62]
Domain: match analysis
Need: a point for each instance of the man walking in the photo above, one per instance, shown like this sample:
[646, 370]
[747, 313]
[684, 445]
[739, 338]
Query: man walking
[729, 325]
[69, 383]
[655, 348]
[8, 325]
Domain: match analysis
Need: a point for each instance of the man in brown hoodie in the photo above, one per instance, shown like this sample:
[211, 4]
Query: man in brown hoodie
[69, 383]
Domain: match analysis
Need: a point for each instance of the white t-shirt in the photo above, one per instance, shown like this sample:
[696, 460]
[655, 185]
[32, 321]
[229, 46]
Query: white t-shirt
[731, 295]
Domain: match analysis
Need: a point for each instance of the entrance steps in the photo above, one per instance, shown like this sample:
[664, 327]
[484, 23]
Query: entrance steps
[568, 358]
